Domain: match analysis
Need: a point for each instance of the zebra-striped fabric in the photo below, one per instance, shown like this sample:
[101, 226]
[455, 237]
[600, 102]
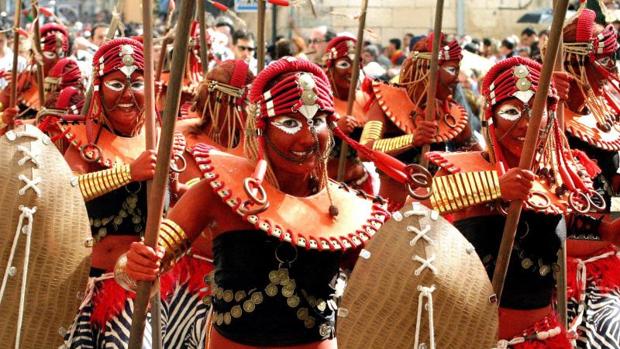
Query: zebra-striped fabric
[600, 328]
[182, 311]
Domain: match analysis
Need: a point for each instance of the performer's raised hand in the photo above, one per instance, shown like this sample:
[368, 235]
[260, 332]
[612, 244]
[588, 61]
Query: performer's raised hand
[347, 123]
[424, 132]
[143, 168]
[516, 183]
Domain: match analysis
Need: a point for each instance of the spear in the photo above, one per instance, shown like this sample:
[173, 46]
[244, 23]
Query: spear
[115, 23]
[37, 50]
[151, 135]
[165, 41]
[561, 274]
[344, 149]
[203, 37]
[156, 197]
[432, 80]
[260, 33]
[529, 147]
[17, 19]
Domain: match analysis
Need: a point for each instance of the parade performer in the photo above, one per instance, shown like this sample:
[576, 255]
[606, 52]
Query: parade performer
[281, 229]
[65, 73]
[107, 152]
[396, 120]
[193, 73]
[473, 186]
[592, 102]
[220, 105]
[55, 46]
[339, 56]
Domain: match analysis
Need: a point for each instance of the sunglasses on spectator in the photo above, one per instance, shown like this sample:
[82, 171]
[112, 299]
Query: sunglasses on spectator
[246, 48]
[316, 41]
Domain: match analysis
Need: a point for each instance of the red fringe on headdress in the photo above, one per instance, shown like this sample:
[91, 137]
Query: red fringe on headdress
[109, 299]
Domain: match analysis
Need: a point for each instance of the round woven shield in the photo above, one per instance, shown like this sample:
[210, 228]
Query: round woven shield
[48, 252]
[381, 302]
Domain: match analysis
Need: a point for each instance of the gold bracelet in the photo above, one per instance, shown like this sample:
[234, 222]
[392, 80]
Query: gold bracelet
[95, 184]
[393, 144]
[121, 276]
[457, 197]
[173, 240]
[461, 188]
[472, 183]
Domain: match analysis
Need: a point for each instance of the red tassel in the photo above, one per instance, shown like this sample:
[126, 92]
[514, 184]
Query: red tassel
[46, 11]
[367, 88]
[219, 6]
[283, 3]
[590, 166]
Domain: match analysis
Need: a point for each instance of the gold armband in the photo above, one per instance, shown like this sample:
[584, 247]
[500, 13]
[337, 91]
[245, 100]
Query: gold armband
[455, 192]
[95, 184]
[174, 241]
[372, 131]
[393, 144]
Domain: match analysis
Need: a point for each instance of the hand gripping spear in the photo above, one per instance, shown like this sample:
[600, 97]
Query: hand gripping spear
[529, 147]
[344, 149]
[156, 197]
[432, 79]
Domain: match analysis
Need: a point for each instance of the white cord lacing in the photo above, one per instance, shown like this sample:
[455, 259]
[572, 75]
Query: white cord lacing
[425, 292]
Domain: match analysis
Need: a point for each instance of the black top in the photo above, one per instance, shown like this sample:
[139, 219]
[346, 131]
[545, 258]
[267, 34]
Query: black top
[119, 212]
[245, 262]
[529, 280]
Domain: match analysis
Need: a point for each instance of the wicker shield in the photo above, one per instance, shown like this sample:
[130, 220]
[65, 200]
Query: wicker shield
[43, 258]
[418, 257]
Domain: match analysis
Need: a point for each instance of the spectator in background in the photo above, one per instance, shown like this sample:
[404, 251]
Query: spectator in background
[98, 33]
[543, 37]
[524, 52]
[300, 47]
[244, 47]
[529, 39]
[506, 49]
[370, 62]
[319, 37]
[394, 53]
[283, 48]
[407, 42]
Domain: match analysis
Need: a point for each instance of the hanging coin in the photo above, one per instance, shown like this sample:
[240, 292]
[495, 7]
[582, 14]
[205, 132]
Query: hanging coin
[526, 263]
[321, 305]
[309, 322]
[227, 318]
[228, 296]
[239, 295]
[293, 301]
[207, 300]
[220, 319]
[544, 270]
[287, 292]
[257, 297]
[302, 313]
[236, 311]
[274, 276]
[271, 290]
[248, 306]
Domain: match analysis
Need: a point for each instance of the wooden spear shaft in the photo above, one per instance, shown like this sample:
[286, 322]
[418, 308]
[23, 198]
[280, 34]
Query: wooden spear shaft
[204, 57]
[432, 79]
[529, 147]
[561, 274]
[17, 19]
[151, 135]
[355, 73]
[156, 197]
[37, 50]
[261, 35]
